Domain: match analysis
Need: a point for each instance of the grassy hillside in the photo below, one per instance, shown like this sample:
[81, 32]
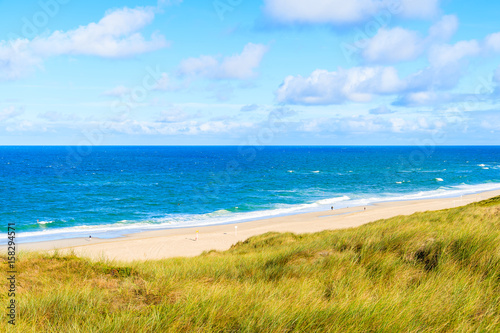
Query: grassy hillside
[428, 272]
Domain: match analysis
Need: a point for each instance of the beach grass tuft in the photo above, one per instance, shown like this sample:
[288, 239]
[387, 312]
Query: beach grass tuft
[427, 272]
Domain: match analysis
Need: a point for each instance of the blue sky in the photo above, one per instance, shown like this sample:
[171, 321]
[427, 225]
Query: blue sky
[238, 72]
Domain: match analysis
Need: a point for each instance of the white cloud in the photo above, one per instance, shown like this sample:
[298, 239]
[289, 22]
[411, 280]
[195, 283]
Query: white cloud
[417, 8]
[398, 44]
[394, 45]
[345, 12]
[444, 29]
[356, 84]
[114, 36]
[359, 84]
[203, 65]
[431, 78]
[239, 66]
[447, 65]
[16, 59]
[10, 113]
[398, 124]
[492, 42]
[447, 62]
[446, 55]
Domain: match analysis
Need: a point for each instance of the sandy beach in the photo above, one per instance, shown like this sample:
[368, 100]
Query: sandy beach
[151, 245]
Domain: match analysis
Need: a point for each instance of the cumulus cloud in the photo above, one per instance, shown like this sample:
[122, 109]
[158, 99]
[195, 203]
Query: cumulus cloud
[444, 29]
[422, 9]
[434, 78]
[359, 84]
[340, 12]
[114, 36]
[445, 54]
[447, 62]
[492, 42]
[447, 65]
[398, 44]
[393, 45]
[356, 84]
[237, 67]
[17, 60]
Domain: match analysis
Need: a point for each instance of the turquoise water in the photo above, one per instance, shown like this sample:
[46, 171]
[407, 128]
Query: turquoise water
[63, 192]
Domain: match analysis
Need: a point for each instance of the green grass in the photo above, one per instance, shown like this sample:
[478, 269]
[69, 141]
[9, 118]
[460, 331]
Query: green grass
[428, 272]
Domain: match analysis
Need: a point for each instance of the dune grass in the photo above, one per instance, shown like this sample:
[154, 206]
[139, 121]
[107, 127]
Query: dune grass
[428, 272]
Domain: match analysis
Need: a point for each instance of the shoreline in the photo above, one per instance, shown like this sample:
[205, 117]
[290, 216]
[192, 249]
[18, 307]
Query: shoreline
[111, 231]
[181, 242]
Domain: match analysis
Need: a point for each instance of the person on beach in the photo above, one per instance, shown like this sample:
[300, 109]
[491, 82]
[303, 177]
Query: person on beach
[332, 207]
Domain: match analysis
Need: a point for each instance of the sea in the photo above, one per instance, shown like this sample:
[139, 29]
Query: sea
[56, 192]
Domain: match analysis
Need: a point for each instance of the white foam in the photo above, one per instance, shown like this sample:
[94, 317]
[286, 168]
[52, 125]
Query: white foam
[182, 221]
[439, 179]
[443, 192]
[332, 200]
[225, 216]
[220, 212]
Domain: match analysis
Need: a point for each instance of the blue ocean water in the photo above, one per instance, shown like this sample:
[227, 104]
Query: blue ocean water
[62, 192]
